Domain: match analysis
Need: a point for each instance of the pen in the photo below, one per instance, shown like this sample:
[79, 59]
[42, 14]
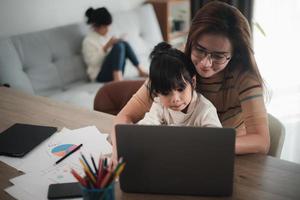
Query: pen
[65, 156]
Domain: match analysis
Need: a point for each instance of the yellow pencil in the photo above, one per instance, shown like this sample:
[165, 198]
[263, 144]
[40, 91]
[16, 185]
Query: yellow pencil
[119, 171]
[88, 172]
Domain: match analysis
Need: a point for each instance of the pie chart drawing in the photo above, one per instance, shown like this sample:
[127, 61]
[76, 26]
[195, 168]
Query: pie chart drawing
[63, 149]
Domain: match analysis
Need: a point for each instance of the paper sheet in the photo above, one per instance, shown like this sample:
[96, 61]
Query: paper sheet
[39, 163]
[18, 193]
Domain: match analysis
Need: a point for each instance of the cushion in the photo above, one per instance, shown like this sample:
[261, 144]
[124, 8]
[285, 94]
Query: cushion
[80, 94]
[65, 45]
[37, 61]
[11, 69]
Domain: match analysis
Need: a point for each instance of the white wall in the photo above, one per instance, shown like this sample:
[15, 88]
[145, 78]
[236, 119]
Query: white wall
[22, 16]
[277, 53]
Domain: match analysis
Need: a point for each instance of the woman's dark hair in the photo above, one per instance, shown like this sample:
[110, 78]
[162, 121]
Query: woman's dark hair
[98, 17]
[170, 69]
[222, 19]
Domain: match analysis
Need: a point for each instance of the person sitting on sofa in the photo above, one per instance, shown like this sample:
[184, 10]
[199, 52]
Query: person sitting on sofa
[104, 54]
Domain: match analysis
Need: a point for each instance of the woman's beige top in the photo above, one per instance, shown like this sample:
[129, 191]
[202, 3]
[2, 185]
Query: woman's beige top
[240, 105]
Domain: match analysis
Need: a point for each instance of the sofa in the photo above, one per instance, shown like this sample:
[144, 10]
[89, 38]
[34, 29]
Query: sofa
[49, 62]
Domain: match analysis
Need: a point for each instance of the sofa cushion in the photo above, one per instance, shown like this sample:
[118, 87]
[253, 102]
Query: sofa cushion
[37, 61]
[65, 45]
[52, 58]
[11, 69]
[80, 94]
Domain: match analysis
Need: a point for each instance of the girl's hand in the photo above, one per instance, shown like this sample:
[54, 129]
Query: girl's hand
[114, 159]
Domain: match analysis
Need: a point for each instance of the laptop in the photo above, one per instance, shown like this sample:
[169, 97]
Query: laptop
[177, 160]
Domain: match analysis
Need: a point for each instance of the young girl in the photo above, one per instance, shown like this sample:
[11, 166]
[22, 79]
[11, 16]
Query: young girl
[171, 84]
[106, 55]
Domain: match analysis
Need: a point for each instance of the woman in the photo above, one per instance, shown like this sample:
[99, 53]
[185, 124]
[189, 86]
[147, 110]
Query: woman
[219, 45]
[106, 55]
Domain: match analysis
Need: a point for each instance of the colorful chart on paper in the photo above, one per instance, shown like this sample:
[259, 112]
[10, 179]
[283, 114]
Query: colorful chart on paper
[63, 149]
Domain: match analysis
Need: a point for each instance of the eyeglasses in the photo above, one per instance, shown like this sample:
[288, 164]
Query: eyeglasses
[216, 58]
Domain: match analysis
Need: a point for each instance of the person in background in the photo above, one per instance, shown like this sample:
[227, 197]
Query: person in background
[219, 45]
[171, 86]
[106, 55]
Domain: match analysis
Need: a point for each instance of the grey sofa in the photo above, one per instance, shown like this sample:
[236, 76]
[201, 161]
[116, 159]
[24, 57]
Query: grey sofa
[49, 62]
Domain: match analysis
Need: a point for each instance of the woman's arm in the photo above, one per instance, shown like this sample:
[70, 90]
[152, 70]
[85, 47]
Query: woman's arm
[257, 137]
[254, 137]
[136, 107]
[132, 112]
[253, 143]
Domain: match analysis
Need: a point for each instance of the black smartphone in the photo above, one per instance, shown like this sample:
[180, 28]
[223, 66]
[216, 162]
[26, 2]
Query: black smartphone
[64, 190]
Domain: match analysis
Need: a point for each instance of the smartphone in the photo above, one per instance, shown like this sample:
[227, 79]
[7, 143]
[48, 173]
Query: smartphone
[64, 190]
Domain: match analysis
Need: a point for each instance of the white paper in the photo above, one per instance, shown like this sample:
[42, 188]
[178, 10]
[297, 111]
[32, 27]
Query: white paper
[18, 193]
[39, 164]
[93, 141]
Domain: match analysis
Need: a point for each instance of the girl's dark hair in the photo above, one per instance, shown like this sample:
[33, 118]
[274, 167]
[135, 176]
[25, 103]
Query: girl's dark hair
[170, 69]
[98, 17]
[222, 19]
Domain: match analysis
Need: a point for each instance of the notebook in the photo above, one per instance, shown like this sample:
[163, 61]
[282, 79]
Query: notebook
[176, 160]
[19, 139]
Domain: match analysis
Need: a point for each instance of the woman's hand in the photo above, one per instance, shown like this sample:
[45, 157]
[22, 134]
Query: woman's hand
[113, 40]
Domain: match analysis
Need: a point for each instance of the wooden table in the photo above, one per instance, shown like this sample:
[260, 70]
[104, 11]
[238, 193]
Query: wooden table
[256, 176]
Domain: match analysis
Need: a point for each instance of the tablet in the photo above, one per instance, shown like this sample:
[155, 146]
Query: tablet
[19, 139]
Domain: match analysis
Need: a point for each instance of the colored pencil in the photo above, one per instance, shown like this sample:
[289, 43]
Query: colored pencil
[104, 174]
[88, 172]
[94, 164]
[106, 179]
[87, 164]
[79, 178]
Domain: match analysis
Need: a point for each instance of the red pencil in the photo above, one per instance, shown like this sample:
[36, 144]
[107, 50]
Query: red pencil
[79, 178]
[106, 179]
[99, 173]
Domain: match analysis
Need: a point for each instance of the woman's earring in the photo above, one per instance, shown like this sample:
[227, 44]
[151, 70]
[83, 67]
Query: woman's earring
[194, 82]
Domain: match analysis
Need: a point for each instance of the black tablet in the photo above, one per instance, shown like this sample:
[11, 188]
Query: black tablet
[19, 139]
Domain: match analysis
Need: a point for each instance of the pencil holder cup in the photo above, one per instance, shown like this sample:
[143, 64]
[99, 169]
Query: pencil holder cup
[107, 193]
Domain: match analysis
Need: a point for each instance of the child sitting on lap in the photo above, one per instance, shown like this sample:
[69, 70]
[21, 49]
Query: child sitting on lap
[171, 84]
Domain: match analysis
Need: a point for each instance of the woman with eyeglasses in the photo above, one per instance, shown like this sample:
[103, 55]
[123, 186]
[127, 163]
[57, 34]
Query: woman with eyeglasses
[219, 45]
